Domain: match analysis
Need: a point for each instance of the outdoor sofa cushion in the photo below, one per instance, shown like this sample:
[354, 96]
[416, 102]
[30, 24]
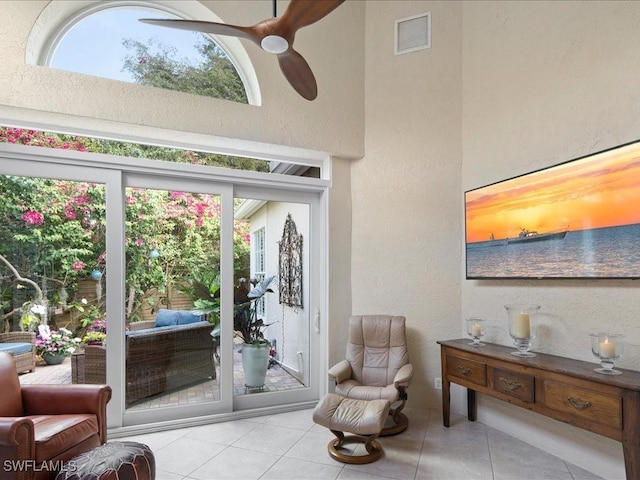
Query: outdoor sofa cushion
[187, 317]
[15, 348]
[167, 317]
[146, 331]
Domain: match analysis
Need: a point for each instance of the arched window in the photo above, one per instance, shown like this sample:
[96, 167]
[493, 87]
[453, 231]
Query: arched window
[106, 39]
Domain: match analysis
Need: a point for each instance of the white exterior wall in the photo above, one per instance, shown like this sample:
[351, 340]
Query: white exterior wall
[290, 325]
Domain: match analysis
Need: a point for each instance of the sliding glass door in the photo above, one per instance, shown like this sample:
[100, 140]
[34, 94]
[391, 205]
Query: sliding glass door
[170, 277]
[278, 314]
[178, 274]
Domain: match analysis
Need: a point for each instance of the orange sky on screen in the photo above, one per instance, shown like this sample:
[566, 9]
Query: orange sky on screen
[599, 191]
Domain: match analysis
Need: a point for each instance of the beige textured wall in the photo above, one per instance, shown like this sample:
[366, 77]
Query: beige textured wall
[332, 123]
[508, 87]
[406, 241]
[339, 251]
[545, 82]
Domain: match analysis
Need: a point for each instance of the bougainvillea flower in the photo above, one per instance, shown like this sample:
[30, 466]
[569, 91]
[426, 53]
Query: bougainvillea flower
[33, 218]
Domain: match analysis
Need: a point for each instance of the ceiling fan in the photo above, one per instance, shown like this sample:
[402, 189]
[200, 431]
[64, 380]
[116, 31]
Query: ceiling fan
[274, 35]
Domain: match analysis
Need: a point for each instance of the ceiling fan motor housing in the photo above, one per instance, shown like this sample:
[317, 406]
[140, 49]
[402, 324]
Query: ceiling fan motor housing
[274, 44]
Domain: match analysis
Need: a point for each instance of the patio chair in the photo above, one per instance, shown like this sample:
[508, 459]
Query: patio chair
[41, 425]
[376, 365]
[22, 346]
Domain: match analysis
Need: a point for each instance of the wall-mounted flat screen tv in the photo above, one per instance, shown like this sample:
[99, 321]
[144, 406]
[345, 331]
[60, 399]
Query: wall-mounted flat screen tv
[578, 219]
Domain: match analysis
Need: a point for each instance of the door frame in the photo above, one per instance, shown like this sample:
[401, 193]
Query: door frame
[317, 301]
[114, 172]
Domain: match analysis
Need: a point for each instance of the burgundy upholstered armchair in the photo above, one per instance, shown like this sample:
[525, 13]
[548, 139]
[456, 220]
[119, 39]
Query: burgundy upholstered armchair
[41, 426]
[377, 365]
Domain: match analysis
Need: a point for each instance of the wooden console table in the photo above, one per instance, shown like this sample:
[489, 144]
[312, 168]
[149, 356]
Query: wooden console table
[561, 388]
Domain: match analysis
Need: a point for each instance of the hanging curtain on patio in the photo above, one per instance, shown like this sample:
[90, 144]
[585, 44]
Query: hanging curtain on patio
[290, 265]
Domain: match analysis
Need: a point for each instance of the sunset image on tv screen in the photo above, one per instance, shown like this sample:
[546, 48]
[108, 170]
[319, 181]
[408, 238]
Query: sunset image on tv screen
[574, 220]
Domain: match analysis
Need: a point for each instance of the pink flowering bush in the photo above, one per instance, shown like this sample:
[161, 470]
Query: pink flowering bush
[59, 227]
[33, 218]
[60, 342]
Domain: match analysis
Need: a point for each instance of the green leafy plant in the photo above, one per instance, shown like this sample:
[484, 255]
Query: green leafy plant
[55, 230]
[246, 322]
[204, 290]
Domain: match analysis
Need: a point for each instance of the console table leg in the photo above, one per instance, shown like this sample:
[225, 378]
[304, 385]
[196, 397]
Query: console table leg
[631, 459]
[471, 405]
[446, 402]
[446, 384]
[630, 434]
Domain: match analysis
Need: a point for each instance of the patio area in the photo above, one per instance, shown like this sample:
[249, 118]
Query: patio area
[278, 379]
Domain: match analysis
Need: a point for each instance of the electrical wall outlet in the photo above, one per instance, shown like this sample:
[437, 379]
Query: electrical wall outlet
[437, 383]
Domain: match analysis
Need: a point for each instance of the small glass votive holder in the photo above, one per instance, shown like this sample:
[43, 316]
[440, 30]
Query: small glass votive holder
[608, 347]
[475, 329]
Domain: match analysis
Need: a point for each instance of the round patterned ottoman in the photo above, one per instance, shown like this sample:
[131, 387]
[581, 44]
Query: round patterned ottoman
[111, 461]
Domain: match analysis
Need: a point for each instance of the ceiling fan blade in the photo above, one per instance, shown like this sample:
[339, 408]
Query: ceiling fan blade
[300, 13]
[207, 27]
[297, 71]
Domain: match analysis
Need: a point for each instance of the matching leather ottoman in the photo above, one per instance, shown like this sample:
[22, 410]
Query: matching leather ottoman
[364, 418]
[111, 461]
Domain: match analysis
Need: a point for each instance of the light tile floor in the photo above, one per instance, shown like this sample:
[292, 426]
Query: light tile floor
[291, 446]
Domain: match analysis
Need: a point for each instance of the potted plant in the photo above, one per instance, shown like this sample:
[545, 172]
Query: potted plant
[256, 348]
[94, 338]
[54, 346]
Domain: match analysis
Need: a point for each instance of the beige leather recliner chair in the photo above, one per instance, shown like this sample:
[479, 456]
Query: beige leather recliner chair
[376, 365]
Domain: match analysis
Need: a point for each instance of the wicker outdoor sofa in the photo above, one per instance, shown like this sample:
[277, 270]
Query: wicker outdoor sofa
[21, 345]
[158, 359]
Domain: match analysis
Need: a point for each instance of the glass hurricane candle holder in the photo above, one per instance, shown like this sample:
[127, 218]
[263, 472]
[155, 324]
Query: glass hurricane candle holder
[475, 330]
[522, 327]
[608, 347]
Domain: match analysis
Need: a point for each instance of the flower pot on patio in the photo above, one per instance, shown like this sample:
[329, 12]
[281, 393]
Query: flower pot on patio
[255, 360]
[52, 358]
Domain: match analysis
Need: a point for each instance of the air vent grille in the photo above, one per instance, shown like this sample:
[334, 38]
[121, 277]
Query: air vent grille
[413, 33]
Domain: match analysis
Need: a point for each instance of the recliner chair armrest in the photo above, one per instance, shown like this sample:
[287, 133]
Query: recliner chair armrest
[403, 377]
[340, 371]
[17, 431]
[68, 399]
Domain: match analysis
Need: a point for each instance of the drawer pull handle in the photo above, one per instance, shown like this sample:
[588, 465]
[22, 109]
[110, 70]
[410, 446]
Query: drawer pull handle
[578, 404]
[464, 370]
[511, 386]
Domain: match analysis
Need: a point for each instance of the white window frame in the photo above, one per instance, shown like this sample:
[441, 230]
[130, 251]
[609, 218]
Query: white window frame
[34, 161]
[58, 18]
[259, 264]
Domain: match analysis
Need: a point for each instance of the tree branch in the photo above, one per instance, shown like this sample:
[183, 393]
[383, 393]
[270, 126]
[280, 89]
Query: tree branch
[21, 279]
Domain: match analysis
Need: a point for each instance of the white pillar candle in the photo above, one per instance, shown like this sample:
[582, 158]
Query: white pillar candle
[476, 331]
[607, 349]
[522, 325]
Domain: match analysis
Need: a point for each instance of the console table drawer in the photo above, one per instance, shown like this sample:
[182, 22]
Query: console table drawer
[514, 384]
[474, 372]
[582, 403]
